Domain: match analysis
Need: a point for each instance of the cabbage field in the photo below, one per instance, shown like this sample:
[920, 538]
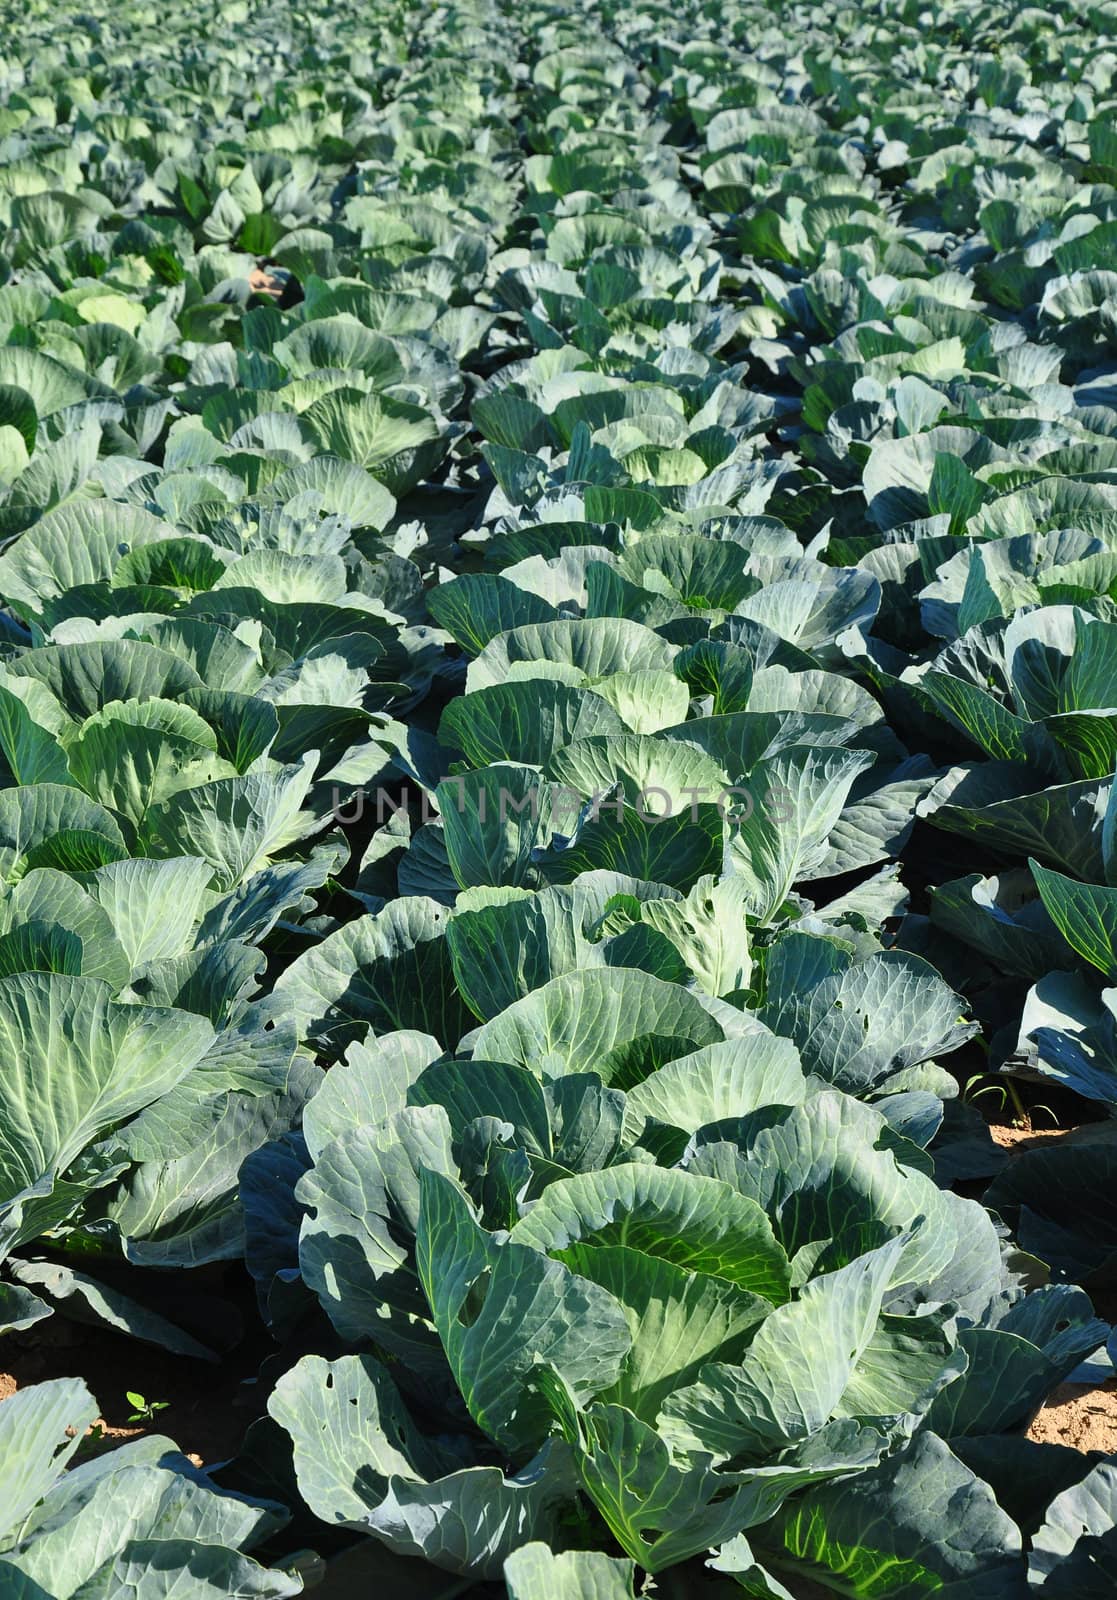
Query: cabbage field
[558, 834]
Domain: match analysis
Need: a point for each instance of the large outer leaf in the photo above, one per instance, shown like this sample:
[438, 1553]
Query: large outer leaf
[720, 1082]
[1085, 914]
[82, 1537]
[356, 1248]
[661, 1512]
[20, 1309]
[153, 905]
[1075, 1551]
[710, 931]
[790, 805]
[503, 1309]
[361, 1462]
[30, 746]
[179, 1206]
[40, 1428]
[368, 1086]
[87, 677]
[535, 1573]
[919, 1524]
[493, 821]
[858, 1026]
[525, 721]
[161, 1569]
[598, 648]
[999, 917]
[504, 943]
[388, 971]
[478, 606]
[73, 544]
[50, 825]
[233, 823]
[75, 1063]
[1060, 1203]
[573, 1023]
[86, 1300]
[997, 805]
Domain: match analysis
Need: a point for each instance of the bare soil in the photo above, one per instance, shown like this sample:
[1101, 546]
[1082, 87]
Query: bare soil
[260, 281]
[1019, 1137]
[208, 1408]
[1074, 1415]
[1084, 1419]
